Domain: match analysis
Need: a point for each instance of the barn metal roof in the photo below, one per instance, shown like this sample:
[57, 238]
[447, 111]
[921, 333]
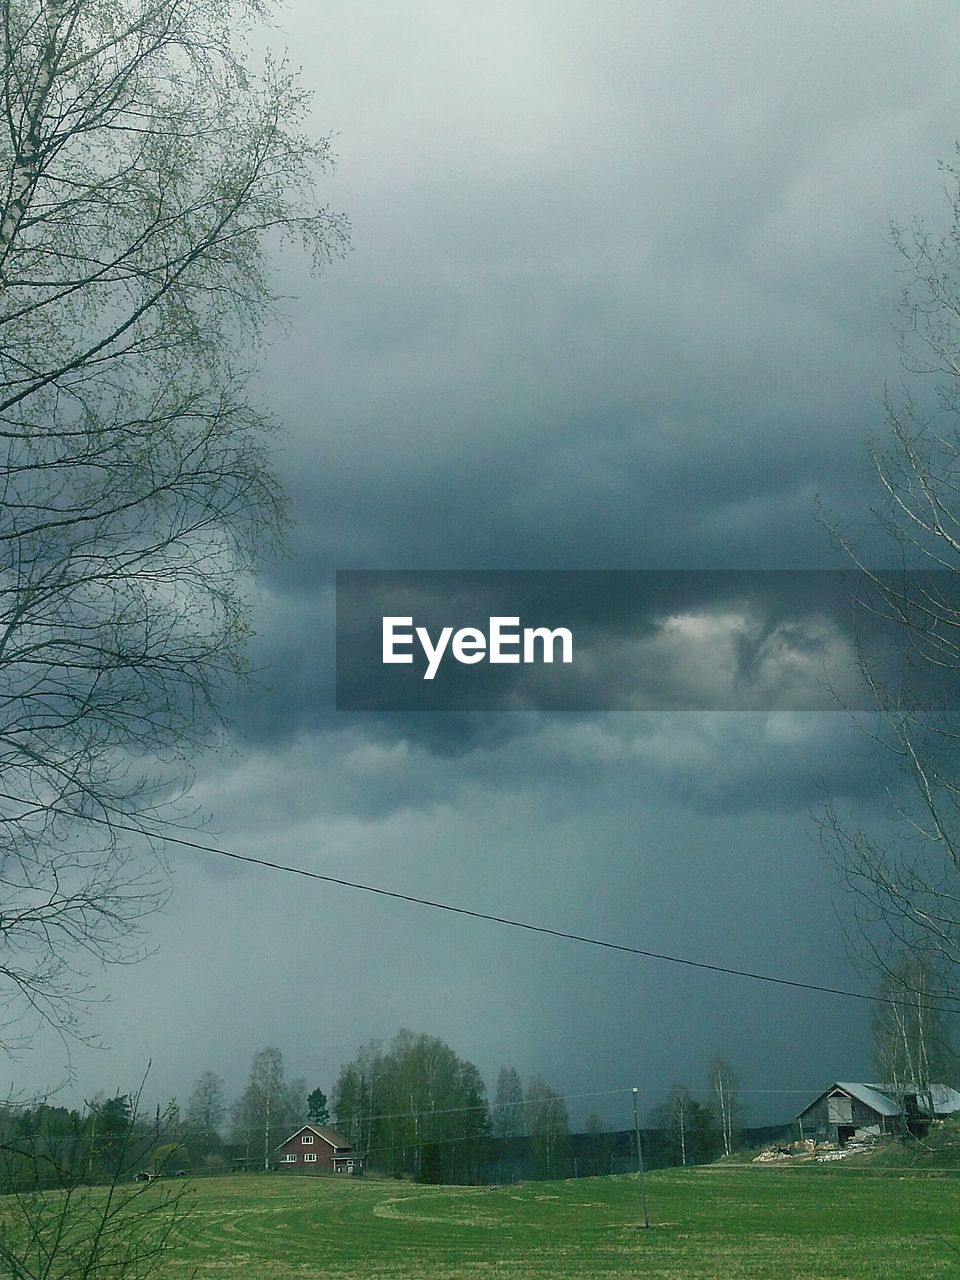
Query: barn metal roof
[871, 1096]
[946, 1101]
[882, 1098]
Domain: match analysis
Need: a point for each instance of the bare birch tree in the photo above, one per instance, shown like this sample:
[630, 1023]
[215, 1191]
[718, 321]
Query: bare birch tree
[904, 875]
[680, 1102]
[267, 1109]
[144, 172]
[725, 1085]
[911, 1039]
[549, 1130]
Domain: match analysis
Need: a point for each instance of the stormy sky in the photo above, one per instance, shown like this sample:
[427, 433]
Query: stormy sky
[622, 295]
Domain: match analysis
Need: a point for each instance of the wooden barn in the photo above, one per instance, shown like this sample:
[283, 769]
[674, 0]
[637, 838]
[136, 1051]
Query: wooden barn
[848, 1108]
[318, 1149]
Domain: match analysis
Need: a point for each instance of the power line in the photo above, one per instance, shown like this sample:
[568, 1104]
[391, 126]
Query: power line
[507, 921]
[493, 1108]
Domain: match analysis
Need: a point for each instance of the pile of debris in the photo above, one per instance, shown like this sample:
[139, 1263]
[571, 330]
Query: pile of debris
[791, 1151]
[859, 1145]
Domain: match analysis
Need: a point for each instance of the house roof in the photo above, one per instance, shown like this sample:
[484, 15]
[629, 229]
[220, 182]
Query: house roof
[882, 1098]
[322, 1131]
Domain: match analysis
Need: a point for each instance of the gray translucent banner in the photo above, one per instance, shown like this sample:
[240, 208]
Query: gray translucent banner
[599, 640]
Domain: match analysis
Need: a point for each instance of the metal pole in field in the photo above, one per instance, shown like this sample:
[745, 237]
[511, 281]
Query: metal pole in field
[640, 1169]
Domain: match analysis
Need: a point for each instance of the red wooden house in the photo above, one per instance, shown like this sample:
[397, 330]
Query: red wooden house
[317, 1149]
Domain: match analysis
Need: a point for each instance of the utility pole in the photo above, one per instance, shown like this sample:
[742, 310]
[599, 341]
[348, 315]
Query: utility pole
[266, 1132]
[640, 1169]
[93, 1142]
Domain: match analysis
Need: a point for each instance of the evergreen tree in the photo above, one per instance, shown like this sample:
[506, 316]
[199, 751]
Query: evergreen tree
[317, 1109]
[431, 1163]
[206, 1111]
[509, 1113]
[111, 1131]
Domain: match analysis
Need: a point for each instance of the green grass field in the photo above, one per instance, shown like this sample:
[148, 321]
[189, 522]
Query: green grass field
[816, 1222]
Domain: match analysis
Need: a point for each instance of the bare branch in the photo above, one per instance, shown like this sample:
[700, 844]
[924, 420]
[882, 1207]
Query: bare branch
[142, 169]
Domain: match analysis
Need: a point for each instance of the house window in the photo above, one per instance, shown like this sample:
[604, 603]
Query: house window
[289, 1160]
[307, 1139]
[310, 1158]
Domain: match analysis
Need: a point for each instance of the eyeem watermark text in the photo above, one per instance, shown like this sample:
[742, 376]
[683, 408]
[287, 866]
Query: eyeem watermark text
[503, 642]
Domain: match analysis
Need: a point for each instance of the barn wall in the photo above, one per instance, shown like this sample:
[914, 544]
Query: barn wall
[821, 1120]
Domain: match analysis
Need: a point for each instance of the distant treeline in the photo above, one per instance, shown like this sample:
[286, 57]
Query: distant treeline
[411, 1109]
[499, 1160]
[46, 1146]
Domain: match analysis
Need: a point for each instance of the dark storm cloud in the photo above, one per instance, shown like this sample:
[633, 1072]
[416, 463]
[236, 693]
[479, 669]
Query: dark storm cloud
[372, 766]
[652, 346]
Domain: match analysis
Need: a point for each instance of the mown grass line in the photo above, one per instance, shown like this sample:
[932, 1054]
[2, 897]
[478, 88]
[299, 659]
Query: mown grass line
[828, 1224]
